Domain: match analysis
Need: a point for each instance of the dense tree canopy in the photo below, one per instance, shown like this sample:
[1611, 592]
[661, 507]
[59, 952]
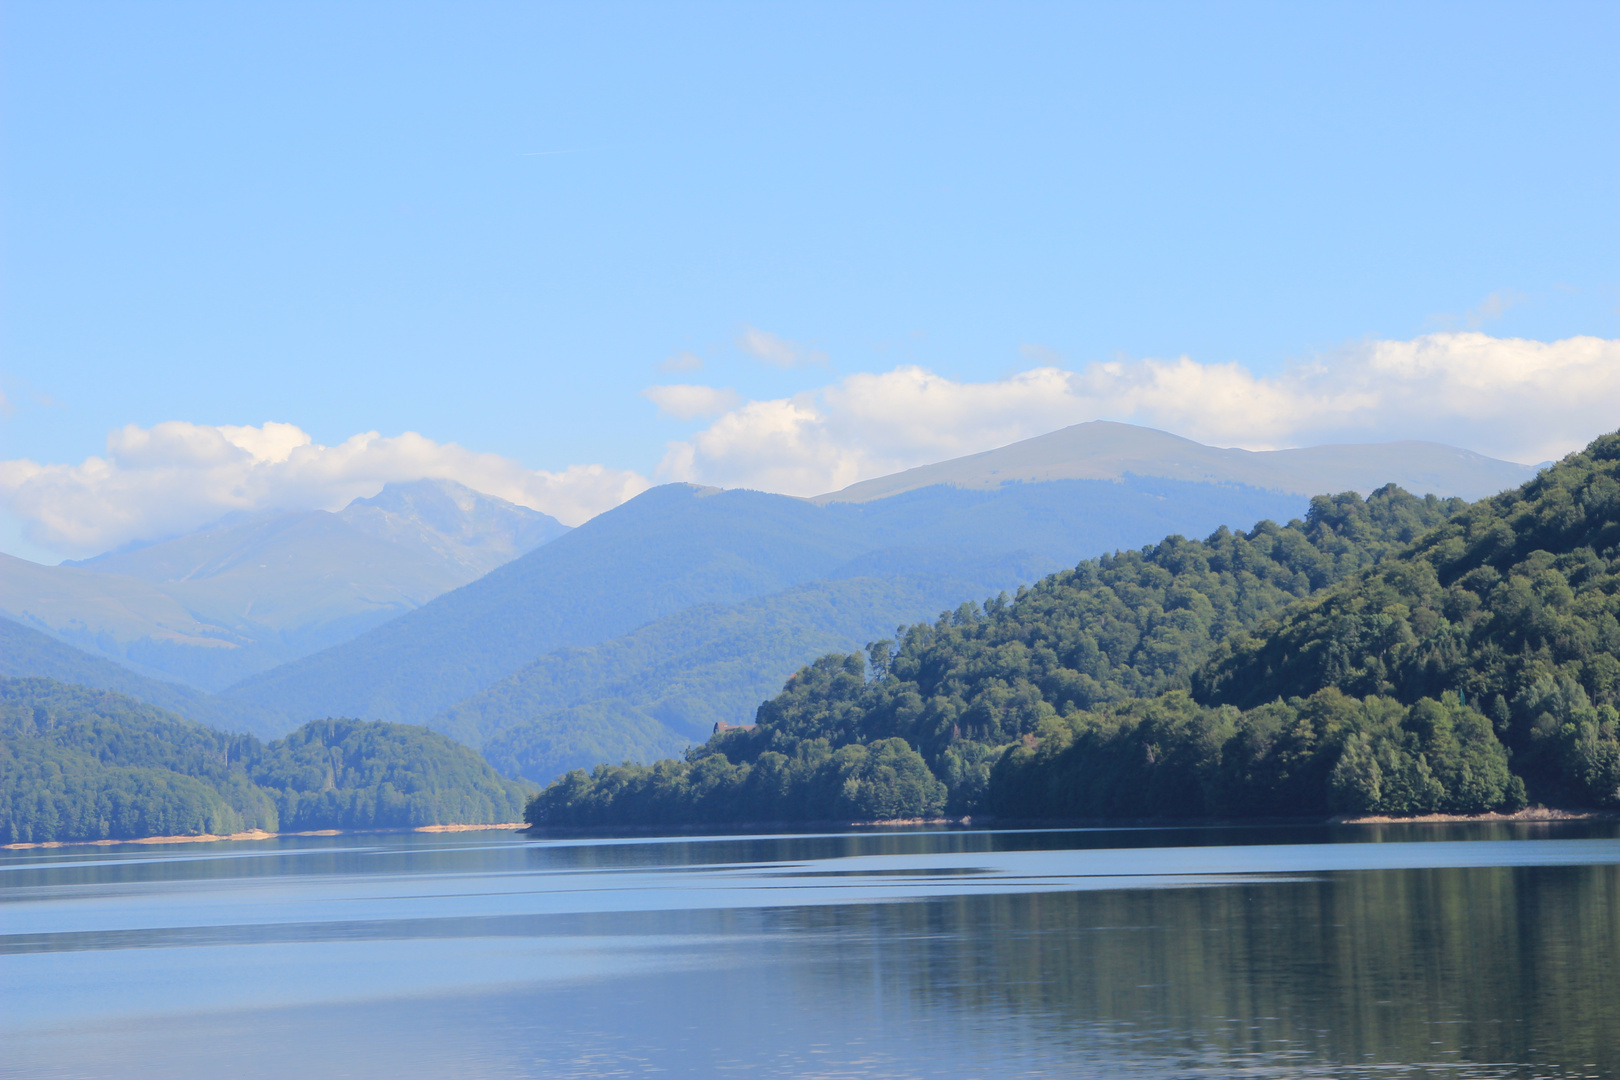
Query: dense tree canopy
[1515, 603]
[83, 764]
[881, 780]
[1170, 756]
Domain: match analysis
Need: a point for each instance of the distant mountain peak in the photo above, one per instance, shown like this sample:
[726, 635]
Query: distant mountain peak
[401, 495]
[1109, 450]
[451, 519]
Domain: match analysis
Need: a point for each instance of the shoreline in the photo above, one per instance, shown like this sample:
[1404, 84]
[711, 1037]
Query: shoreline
[260, 834]
[1529, 815]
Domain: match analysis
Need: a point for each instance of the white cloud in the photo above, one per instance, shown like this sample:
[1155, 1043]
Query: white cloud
[682, 361]
[776, 351]
[177, 476]
[1511, 398]
[686, 402]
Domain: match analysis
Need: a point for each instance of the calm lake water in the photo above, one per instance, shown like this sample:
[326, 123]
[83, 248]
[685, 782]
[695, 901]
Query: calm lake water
[1378, 951]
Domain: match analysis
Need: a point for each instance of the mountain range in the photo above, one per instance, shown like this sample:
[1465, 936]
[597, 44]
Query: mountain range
[635, 633]
[253, 591]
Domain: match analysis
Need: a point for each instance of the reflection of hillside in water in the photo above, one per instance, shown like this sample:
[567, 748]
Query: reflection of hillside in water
[1510, 964]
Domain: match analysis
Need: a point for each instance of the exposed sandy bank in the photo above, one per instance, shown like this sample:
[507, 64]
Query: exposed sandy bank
[1534, 813]
[255, 834]
[909, 821]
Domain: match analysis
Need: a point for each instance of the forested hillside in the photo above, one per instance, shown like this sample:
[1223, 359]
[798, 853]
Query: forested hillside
[1514, 603]
[77, 763]
[963, 689]
[29, 653]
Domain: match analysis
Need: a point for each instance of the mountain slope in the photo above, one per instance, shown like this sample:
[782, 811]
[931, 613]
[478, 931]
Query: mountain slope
[667, 549]
[28, 653]
[653, 691]
[246, 594]
[1103, 450]
[679, 546]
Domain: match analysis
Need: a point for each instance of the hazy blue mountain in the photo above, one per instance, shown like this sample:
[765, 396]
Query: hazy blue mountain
[28, 653]
[679, 546]
[651, 692]
[251, 592]
[1104, 450]
[668, 549]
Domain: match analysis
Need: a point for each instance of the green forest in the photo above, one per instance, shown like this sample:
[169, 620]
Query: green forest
[78, 763]
[1389, 655]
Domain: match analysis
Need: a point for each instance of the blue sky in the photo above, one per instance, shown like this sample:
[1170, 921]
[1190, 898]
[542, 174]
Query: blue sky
[492, 223]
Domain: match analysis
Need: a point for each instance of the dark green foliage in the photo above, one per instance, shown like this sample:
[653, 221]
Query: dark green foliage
[351, 774]
[1514, 602]
[1170, 756]
[882, 780]
[83, 764]
[77, 763]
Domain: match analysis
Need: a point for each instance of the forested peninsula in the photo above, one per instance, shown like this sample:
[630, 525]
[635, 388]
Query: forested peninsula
[1392, 655]
[78, 763]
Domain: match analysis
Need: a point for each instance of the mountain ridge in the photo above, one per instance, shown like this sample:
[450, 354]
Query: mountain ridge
[1107, 450]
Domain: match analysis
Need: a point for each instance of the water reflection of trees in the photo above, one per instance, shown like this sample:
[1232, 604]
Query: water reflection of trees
[1444, 966]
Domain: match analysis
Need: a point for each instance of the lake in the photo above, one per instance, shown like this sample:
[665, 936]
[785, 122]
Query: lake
[1486, 950]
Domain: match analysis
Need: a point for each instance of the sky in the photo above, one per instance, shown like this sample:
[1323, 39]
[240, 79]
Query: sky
[274, 255]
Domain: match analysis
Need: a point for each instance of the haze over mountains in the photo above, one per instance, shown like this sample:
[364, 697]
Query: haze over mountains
[253, 591]
[1105, 450]
[636, 632]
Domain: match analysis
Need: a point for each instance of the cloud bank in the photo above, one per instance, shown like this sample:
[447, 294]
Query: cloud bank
[176, 476]
[1520, 400]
